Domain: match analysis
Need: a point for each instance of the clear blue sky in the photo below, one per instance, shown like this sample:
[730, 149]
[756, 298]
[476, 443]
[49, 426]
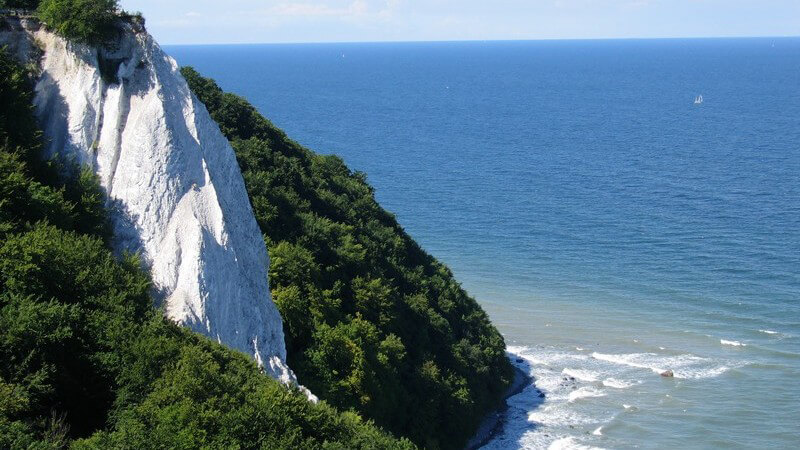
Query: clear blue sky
[260, 21]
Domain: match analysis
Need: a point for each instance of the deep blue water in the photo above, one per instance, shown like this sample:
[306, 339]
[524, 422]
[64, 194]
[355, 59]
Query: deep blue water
[610, 226]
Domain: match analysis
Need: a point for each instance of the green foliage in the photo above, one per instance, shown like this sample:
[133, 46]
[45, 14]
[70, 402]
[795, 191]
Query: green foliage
[89, 21]
[17, 124]
[136, 18]
[85, 359]
[372, 322]
[19, 4]
[79, 336]
[207, 396]
[66, 302]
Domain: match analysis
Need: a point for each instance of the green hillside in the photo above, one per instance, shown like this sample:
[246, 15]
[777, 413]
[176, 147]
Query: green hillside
[372, 322]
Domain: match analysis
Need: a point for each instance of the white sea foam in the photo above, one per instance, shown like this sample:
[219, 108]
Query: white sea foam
[732, 343]
[639, 360]
[545, 357]
[700, 373]
[526, 354]
[683, 366]
[768, 332]
[568, 443]
[618, 384]
[571, 406]
[558, 415]
[581, 374]
[584, 392]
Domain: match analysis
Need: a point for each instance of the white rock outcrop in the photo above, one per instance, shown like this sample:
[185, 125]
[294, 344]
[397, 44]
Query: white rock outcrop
[175, 190]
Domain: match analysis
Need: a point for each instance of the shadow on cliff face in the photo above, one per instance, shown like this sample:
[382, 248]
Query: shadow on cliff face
[124, 62]
[14, 35]
[52, 112]
[126, 236]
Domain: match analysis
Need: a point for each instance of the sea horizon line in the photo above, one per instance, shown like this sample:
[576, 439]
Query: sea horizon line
[454, 41]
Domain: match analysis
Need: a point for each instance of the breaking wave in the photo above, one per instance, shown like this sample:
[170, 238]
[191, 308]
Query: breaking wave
[618, 384]
[683, 366]
[581, 374]
[584, 392]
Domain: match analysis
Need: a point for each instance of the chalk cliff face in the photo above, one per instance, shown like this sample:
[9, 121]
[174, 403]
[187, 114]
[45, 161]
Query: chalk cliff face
[175, 191]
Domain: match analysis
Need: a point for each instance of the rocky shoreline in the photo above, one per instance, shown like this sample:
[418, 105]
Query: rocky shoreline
[494, 422]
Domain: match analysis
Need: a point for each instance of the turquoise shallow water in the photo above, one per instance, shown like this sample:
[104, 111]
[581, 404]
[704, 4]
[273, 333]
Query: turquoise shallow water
[612, 228]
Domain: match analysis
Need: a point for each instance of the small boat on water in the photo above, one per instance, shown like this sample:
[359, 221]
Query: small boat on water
[698, 100]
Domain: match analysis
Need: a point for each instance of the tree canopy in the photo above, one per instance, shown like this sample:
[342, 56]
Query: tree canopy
[89, 21]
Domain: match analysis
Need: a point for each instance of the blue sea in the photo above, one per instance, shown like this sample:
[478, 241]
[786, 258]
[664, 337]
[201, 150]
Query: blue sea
[612, 228]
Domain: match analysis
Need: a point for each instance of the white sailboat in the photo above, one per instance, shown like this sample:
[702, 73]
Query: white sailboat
[698, 100]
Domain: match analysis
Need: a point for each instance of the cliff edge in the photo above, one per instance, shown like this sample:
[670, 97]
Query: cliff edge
[174, 189]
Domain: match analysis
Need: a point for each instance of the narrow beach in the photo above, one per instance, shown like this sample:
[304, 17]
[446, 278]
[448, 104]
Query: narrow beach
[494, 422]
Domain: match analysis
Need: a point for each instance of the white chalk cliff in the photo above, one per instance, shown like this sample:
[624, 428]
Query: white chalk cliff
[175, 191]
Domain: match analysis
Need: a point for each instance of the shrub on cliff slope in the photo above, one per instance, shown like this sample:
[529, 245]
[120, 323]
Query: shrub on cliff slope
[89, 21]
[85, 359]
[372, 322]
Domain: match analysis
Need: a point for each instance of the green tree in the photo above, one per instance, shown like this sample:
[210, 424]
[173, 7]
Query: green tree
[89, 21]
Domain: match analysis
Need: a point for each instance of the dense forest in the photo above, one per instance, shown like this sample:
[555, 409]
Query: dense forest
[86, 361]
[373, 324]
